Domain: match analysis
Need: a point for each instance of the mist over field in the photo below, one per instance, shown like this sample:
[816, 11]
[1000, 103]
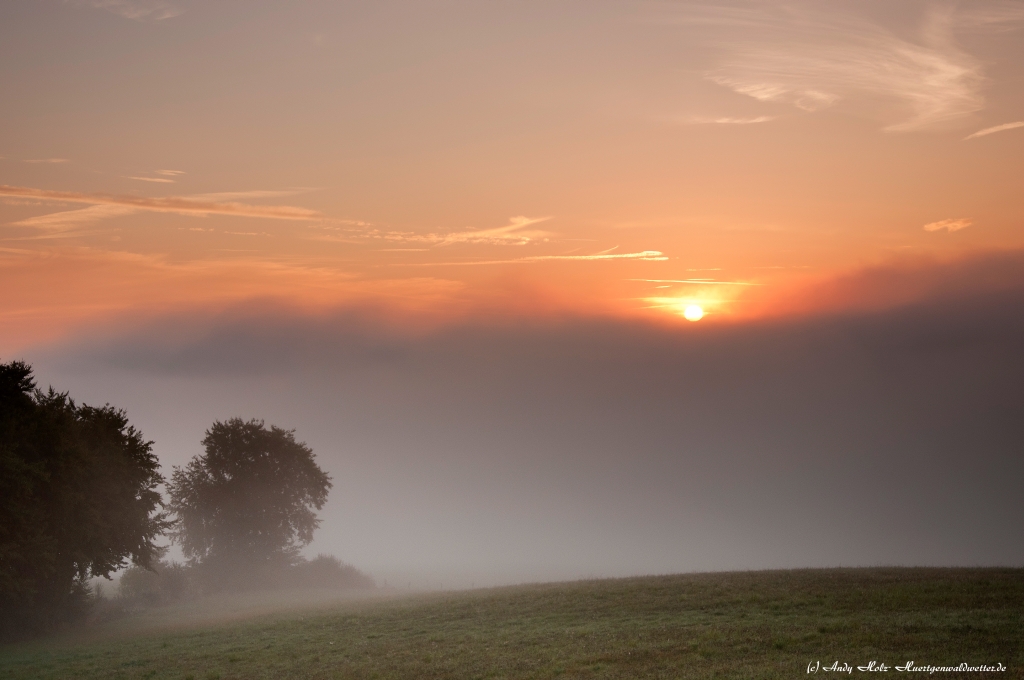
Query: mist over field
[680, 338]
[492, 452]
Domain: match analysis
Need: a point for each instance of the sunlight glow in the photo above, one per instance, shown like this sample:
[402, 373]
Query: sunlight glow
[693, 313]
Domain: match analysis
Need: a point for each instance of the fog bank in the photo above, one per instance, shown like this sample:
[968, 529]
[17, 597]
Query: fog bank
[505, 452]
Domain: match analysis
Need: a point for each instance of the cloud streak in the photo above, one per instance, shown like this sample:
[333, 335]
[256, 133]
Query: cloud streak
[645, 255]
[995, 128]
[172, 204]
[948, 225]
[251, 194]
[811, 59]
[702, 282]
[58, 223]
[730, 121]
[511, 233]
[515, 233]
[137, 10]
[160, 180]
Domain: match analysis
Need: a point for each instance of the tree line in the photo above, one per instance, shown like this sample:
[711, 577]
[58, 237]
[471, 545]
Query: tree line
[80, 498]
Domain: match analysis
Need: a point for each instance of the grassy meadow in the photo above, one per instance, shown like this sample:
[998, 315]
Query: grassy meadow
[723, 625]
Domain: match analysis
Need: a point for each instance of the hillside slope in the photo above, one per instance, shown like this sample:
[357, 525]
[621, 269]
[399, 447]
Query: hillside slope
[743, 625]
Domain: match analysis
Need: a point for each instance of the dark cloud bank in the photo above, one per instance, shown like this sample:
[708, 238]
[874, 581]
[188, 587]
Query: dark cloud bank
[496, 453]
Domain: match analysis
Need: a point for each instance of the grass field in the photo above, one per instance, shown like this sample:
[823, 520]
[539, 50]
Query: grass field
[736, 625]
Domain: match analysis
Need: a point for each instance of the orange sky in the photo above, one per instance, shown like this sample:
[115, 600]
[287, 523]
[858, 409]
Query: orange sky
[438, 160]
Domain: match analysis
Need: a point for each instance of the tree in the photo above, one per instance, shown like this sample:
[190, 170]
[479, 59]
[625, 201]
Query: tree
[78, 499]
[246, 505]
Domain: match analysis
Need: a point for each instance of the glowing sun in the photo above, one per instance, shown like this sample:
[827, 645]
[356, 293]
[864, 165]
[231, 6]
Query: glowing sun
[693, 313]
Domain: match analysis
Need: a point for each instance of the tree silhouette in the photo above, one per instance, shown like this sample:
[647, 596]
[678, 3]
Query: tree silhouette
[247, 503]
[77, 499]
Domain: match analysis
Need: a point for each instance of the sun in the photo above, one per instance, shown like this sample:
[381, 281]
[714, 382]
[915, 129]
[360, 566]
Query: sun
[693, 313]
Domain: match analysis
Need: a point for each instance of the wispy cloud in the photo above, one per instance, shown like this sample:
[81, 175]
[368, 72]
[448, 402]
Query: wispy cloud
[515, 233]
[810, 56]
[702, 282]
[253, 194]
[729, 121]
[58, 223]
[645, 255]
[653, 255]
[48, 160]
[512, 233]
[995, 128]
[170, 173]
[139, 10]
[161, 180]
[20, 251]
[172, 204]
[1000, 15]
[948, 225]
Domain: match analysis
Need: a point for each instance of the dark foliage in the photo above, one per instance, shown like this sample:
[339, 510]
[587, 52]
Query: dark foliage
[327, 571]
[245, 507]
[78, 499]
[170, 582]
[164, 583]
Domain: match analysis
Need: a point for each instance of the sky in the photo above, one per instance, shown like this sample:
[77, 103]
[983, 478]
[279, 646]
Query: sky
[452, 243]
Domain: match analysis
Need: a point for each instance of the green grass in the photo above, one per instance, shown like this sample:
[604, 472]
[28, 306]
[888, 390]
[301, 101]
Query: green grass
[736, 625]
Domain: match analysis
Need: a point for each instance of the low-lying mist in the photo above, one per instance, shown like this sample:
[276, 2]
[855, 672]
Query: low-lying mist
[488, 453]
[172, 594]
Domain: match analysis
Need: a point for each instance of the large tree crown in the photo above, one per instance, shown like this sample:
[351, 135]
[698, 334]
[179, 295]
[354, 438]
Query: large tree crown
[78, 498]
[250, 496]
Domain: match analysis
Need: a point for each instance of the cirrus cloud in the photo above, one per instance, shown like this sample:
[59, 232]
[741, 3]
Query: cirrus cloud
[171, 204]
[996, 128]
[138, 10]
[813, 57]
[948, 225]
